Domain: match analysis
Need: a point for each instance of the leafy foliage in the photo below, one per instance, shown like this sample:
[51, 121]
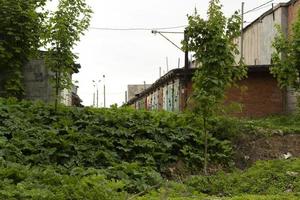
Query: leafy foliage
[85, 153]
[52, 183]
[64, 28]
[212, 41]
[21, 26]
[26, 26]
[286, 63]
[268, 177]
[131, 145]
[266, 180]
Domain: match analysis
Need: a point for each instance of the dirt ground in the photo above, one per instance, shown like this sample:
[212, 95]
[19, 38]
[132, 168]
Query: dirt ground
[250, 149]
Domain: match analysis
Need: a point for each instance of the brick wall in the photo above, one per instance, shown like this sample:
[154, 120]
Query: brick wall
[259, 95]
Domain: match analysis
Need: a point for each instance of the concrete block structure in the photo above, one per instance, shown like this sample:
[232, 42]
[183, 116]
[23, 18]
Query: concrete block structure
[37, 83]
[136, 89]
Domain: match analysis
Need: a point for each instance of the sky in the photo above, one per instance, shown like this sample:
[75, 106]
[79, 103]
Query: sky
[132, 57]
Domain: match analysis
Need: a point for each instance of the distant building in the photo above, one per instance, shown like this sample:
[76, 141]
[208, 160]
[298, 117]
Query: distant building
[259, 93]
[259, 35]
[38, 85]
[261, 98]
[76, 100]
[133, 90]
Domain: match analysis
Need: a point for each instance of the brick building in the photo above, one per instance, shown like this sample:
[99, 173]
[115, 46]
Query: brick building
[258, 94]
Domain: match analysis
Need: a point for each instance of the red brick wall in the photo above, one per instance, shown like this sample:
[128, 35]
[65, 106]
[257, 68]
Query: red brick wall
[262, 96]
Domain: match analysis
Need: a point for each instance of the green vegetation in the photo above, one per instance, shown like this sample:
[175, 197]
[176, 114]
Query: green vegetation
[19, 40]
[64, 28]
[212, 40]
[35, 28]
[286, 58]
[139, 147]
[85, 153]
[268, 177]
[266, 180]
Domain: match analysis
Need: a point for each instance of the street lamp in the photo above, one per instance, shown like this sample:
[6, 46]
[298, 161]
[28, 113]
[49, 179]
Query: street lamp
[104, 95]
[96, 87]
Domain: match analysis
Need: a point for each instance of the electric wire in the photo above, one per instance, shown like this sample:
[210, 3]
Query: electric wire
[136, 29]
[262, 6]
[258, 7]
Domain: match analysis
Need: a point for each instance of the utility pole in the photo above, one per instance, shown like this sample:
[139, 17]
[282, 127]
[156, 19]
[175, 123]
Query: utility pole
[104, 94]
[167, 63]
[126, 96]
[98, 84]
[159, 72]
[186, 62]
[242, 32]
[97, 97]
[186, 68]
[94, 95]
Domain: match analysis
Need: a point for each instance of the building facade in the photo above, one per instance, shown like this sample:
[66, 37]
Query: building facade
[258, 94]
[38, 85]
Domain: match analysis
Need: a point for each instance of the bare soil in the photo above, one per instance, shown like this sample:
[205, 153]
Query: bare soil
[250, 149]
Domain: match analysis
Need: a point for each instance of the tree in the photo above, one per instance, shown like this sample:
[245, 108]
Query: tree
[286, 58]
[21, 25]
[212, 41]
[65, 27]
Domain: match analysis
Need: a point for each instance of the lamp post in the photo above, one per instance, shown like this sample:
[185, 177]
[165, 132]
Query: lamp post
[104, 92]
[94, 86]
[96, 96]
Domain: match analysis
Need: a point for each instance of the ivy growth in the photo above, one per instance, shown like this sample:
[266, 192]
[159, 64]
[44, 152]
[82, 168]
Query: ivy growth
[286, 58]
[212, 41]
[21, 25]
[65, 27]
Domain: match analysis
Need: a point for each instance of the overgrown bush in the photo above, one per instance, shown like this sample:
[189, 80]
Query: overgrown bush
[267, 177]
[138, 146]
[85, 153]
[52, 183]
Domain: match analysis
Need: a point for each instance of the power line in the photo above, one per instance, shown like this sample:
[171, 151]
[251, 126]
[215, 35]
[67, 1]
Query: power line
[136, 29]
[258, 7]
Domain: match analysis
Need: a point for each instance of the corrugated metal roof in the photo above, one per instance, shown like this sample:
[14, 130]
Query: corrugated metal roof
[270, 11]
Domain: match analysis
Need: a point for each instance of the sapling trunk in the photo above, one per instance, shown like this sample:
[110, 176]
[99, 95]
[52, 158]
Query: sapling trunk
[57, 88]
[205, 145]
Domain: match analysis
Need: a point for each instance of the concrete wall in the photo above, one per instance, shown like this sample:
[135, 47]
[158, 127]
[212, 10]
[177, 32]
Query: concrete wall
[36, 82]
[293, 13]
[136, 89]
[258, 37]
[37, 85]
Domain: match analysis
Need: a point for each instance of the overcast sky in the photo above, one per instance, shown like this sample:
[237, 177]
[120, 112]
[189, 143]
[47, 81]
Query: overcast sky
[132, 57]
